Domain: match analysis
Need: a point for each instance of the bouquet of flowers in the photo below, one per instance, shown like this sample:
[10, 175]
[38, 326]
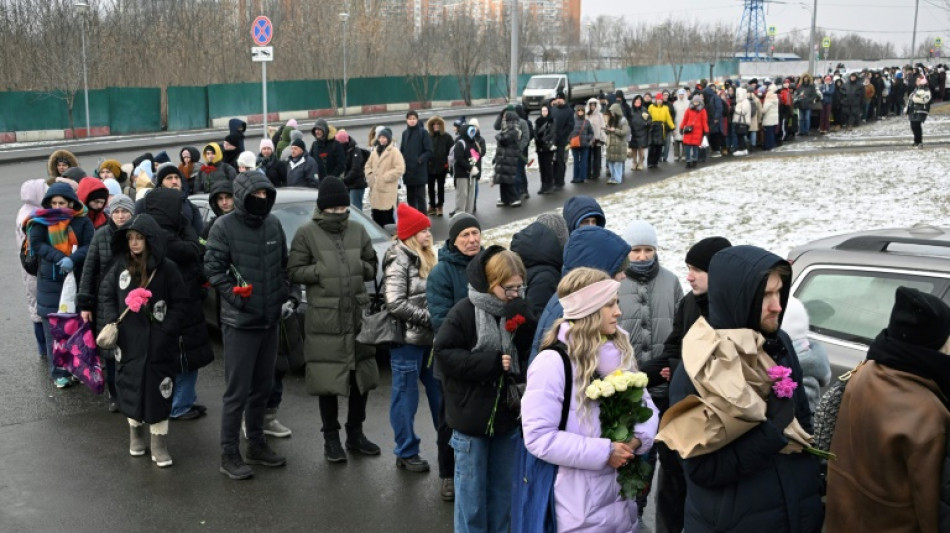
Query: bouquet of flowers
[511, 326]
[621, 408]
[243, 288]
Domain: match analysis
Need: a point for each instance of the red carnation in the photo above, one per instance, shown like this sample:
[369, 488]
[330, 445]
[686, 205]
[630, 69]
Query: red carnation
[512, 323]
[244, 292]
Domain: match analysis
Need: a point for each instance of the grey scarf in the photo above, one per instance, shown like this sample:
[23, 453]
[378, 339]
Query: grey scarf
[490, 327]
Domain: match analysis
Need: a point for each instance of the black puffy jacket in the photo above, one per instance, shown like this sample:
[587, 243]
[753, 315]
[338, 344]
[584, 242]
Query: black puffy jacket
[543, 257]
[507, 153]
[274, 169]
[97, 264]
[354, 177]
[256, 248]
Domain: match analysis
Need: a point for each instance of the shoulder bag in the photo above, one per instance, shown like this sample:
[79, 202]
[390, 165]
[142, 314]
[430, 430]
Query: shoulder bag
[378, 326]
[109, 336]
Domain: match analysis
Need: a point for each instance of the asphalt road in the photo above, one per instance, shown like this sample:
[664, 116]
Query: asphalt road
[64, 462]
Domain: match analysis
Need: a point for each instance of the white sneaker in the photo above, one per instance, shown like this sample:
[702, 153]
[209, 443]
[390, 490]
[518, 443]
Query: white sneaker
[741, 152]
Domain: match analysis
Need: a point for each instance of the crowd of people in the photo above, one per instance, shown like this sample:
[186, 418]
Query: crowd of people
[483, 329]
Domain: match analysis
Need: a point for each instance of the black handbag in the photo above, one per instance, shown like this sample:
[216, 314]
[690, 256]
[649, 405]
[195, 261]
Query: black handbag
[29, 262]
[378, 326]
[688, 129]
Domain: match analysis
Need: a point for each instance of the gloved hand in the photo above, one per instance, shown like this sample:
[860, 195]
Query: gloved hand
[287, 310]
[517, 306]
[779, 411]
[65, 264]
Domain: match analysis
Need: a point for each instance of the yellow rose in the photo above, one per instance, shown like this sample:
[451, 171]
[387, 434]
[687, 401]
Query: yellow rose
[593, 391]
[619, 382]
[639, 380]
[606, 389]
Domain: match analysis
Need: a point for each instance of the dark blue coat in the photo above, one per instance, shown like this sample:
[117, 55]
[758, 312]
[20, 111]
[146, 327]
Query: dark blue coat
[543, 257]
[589, 246]
[748, 485]
[447, 284]
[416, 148]
[49, 279]
[580, 207]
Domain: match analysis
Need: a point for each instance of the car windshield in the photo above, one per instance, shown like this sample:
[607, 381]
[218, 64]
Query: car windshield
[542, 83]
[294, 215]
[856, 306]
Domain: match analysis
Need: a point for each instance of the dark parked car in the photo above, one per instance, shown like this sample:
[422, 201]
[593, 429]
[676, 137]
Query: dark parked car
[847, 283]
[293, 207]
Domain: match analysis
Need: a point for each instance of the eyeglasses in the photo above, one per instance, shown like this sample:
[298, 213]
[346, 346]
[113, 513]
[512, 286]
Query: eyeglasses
[514, 289]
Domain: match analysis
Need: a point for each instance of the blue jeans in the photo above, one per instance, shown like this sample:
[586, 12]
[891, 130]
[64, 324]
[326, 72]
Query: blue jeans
[54, 371]
[753, 137]
[768, 142]
[804, 121]
[356, 198]
[483, 477]
[184, 395]
[409, 364]
[581, 156]
[616, 171]
[692, 153]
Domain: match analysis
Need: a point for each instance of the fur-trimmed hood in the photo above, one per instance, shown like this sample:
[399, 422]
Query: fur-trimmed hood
[430, 124]
[56, 156]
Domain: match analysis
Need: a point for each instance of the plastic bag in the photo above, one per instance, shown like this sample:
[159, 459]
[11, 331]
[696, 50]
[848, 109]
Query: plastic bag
[74, 349]
[705, 143]
[67, 298]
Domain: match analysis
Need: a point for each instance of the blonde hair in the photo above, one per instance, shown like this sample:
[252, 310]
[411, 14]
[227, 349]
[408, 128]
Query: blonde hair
[503, 266]
[584, 337]
[427, 257]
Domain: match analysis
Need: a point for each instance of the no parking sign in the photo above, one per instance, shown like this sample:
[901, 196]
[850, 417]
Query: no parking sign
[262, 31]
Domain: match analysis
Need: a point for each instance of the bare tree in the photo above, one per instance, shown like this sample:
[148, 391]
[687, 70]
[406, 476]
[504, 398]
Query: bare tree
[424, 54]
[465, 52]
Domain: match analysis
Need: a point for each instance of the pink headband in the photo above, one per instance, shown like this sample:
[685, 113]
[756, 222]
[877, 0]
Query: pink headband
[590, 299]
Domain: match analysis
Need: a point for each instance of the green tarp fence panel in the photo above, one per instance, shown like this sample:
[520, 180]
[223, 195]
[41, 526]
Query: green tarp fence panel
[134, 110]
[187, 108]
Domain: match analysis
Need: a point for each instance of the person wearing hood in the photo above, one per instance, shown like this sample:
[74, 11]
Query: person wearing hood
[584, 133]
[383, 170]
[853, 100]
[541, 248]
[544, 136]
[680, 105]
[169, 177]
[827, 91]
[58, 163]
[326, 151]
[31, 194]
[446, 286]
[231, 148]
[661, 124]
[302, 170]
[60, 234]
[806, 97]
[770, 117]
[438, 164]
[890, 437]
[713, 105]
[648, 297]
[476, 351]
[237, 129]
[596, 119]
[94, 195]
[285, 151]
[406, 267]
[811, 354]
[98, 261]
[184, 248]
[748, 484]
[245, 262]
[467, 155]
[333, 258]
[190, 166]
[221, 202]
[563, 118]
[270, 165]
[285, 138]
[506, 161]
[639, 132]
[587, 496]
[147, 345]
[416, 150]
[918, 107]
[742, 119]
[354, 177]
[213, 169]
[582, 211]
[671, 482]
[617, 130]
[589, 246]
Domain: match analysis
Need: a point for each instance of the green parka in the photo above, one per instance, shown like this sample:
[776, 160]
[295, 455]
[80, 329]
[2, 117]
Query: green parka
[333, 258]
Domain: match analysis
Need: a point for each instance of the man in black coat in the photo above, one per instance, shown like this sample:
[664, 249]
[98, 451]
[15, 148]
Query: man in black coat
[326, 151]
[671, 483]
[416, 149]
[246, 262]
[748, 484]
[563, 126]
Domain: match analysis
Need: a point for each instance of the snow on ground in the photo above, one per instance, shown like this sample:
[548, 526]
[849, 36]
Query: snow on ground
[893, 130]
[779, 203]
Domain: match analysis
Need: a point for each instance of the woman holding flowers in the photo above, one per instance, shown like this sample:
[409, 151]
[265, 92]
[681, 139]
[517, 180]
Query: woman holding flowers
[587, 493]
[146, 354]
[481, 350]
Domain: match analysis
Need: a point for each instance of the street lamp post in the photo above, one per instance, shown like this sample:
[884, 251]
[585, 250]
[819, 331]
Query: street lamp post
[513, 66]
[590, 35]
[344, 17]
[85, 79]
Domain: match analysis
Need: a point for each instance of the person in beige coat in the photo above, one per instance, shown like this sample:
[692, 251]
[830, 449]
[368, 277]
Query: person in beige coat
[383, 170]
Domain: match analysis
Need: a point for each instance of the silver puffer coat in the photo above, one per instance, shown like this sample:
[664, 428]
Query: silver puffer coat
[405, 293]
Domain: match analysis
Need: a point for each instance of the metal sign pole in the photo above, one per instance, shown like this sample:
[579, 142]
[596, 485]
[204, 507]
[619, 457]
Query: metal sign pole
[264, 91]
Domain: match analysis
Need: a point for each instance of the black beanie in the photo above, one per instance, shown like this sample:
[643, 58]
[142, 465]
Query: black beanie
[161, 157]
[919, 318]
[299, 144]
[332, 193]
[74, 173]
[460, 223]
[164, 171]
[97, 194]
[703, 251]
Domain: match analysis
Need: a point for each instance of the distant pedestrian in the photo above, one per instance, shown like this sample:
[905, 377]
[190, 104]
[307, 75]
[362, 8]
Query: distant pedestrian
[416, 149]
[617, 131]
[918, 107]
[383, 170]
[438, 164]
[544, 145]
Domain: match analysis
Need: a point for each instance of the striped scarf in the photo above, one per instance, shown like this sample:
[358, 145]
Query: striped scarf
[57, 225]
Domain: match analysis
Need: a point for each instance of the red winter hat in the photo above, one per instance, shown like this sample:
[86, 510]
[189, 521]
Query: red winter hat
[410, 221]
[658, 97]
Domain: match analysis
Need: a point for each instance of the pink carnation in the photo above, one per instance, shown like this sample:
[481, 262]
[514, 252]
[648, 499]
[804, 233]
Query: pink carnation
[778, 372]
[784, 388]
[137, 298]
[474, 154]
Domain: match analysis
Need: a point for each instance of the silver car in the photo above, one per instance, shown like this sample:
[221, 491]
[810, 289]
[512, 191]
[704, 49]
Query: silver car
[847, 283]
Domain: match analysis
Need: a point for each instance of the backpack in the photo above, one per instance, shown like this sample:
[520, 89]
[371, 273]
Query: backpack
[29, 261]
[452, 153]
[532, 491]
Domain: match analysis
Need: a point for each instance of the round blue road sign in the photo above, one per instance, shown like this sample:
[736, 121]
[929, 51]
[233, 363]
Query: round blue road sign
[262, 31]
